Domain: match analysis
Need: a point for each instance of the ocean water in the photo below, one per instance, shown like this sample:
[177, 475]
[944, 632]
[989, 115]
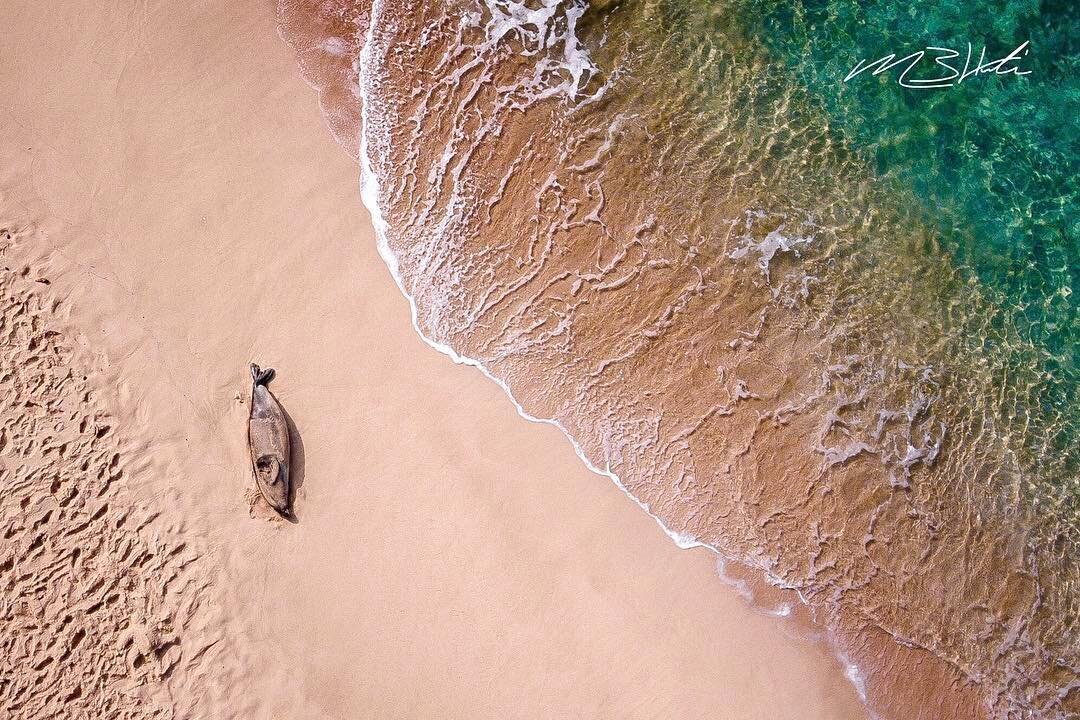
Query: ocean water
[826, 326]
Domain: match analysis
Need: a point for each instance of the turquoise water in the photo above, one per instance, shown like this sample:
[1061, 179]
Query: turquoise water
[993, 160]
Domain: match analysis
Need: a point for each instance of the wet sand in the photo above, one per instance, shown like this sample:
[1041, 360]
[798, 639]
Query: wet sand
[172, 178]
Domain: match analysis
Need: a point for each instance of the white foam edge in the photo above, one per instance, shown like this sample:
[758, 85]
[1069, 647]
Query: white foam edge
[369, 193]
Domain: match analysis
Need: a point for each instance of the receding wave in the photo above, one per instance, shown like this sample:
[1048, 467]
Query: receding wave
[650, 229]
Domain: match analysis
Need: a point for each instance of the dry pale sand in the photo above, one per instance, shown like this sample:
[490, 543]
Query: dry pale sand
[165, 168]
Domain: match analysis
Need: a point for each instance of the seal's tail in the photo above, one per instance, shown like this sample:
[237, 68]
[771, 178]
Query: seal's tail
[260, 376]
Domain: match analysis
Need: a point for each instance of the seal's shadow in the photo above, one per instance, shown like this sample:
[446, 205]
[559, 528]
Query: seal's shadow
[296, 464]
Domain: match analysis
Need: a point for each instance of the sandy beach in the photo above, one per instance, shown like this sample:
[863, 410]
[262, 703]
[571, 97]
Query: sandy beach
[166, 169]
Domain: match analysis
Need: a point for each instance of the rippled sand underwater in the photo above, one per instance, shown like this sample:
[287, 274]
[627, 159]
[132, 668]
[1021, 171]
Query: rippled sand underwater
[827, 328]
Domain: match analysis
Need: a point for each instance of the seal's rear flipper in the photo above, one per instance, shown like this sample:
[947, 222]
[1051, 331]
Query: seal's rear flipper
[260, 376]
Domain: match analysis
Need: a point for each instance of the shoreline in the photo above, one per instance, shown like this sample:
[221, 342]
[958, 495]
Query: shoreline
[906, 657]
[369, 192]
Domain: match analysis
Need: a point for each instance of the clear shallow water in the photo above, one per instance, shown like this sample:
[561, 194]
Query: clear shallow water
[827, 328]
[992, 161]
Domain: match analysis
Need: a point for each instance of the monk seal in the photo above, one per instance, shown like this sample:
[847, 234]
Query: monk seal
[268, 440]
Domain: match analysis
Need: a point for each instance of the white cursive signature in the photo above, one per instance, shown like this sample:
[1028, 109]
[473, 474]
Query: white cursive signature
[941, 57]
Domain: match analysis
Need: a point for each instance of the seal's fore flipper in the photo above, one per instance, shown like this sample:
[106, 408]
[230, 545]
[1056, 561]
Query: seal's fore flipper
[260, 376]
